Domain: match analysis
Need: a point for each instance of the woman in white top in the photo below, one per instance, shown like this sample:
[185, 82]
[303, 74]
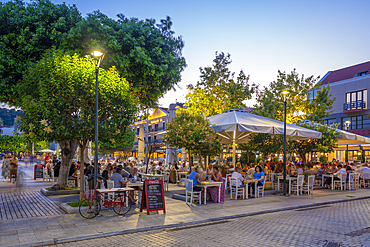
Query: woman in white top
[210, 170]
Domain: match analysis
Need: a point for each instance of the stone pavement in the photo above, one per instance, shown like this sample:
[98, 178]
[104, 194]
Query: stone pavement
[71, 227]
[345, 223]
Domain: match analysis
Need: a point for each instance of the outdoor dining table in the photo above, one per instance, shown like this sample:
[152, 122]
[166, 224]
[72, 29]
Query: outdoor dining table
[247, 182]
[290, 179]
[135, 184]
[205, 185]
[151, 176]
[328, 176]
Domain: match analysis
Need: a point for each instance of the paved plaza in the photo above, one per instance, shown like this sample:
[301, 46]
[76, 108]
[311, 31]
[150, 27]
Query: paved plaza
[344, 223]
[335, 216]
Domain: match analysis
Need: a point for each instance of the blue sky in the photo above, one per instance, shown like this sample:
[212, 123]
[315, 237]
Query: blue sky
[261, 36]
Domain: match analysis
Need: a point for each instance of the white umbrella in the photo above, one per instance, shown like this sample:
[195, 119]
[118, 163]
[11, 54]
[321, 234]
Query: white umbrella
[46, 151]
[234, 126]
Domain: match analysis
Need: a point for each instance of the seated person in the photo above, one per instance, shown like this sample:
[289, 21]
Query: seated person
[196, 177]
[307, 172]
[210, 170]
[117, 178]
[251, 171]
[216, 176]
[259, 176]
[238, 176]
[341, 170]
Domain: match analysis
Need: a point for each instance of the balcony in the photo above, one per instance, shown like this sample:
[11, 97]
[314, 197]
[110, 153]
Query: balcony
[354, 106]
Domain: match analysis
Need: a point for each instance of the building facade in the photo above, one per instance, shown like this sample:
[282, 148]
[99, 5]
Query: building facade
[350, 86]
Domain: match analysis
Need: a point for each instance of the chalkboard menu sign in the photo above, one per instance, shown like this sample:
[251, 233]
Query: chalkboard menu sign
[153, 196]
[38, 173]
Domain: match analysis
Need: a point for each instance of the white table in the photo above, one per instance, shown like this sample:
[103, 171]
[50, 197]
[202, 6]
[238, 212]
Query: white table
[247, 182]
[151, 176]
[290, 179]
[205, 185]
[328, 176]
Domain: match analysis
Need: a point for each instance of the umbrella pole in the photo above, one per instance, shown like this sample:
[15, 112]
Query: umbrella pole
[234, 149]
[284, 159]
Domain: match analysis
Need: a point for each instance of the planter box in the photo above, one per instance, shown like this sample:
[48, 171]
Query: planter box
[59, 192]
[75, 210]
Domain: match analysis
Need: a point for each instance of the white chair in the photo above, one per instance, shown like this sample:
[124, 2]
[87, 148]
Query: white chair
[273, 175]
[193, 194]
[309, 186]
[227, 188]
[261, 189]
[357, 181]
[351, 182]
[110, 184]
[298, 187]
[235, 189]
[365, 179]
[166, 179]
[342, 181]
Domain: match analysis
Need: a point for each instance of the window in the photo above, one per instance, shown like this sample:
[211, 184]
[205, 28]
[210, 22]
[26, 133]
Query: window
[150, 128]
[164, 125]
[156, 127]
[137, 131]
[355, 100]
[362, 73]
[355, 123]
[149, 139]
[312, 94]
[330, 122]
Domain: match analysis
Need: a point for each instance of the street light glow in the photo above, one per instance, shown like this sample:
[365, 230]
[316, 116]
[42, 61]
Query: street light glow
[97, 53]
[285, 92]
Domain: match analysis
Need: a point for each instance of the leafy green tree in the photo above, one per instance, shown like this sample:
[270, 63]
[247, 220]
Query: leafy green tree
[12, 143]
[193, 132]
[264, 143]
[147, 54]
[61, 107]
[270, 102]
[325, 145]
[27, 30]
[217, 89]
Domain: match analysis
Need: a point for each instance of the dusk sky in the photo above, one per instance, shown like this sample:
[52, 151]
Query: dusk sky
[261, 36]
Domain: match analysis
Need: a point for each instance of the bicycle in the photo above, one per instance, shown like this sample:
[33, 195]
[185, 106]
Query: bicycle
[117, 201]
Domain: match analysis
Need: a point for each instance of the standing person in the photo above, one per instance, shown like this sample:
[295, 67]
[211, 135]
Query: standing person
[47, 157]
[5, 167]
[13, 169]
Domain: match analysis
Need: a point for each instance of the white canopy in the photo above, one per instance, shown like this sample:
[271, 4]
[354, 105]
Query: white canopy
[346, 137]
[234, 126]
[240, 124]
[46, 151]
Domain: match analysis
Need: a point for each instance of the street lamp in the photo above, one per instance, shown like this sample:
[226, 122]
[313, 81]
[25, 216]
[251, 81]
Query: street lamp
[99, 56]
[285, 94]
[346, 125]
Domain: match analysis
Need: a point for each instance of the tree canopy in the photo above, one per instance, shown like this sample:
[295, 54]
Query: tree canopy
[147, 54]
[193, 132]
[62, 104]
[270, 102]
[218, 89]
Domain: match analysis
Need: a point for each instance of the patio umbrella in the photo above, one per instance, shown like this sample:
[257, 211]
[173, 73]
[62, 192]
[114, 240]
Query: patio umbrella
[46, 151]
[234, 126]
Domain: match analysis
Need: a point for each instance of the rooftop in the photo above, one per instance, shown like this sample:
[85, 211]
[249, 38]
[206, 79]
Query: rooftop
[346, 73]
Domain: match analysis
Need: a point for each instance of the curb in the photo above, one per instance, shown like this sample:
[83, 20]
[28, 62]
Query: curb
[144, 229]
[59, 193]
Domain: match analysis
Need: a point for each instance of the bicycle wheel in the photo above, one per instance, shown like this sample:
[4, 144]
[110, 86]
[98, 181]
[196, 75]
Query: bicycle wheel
[88, 212]
[119, 205]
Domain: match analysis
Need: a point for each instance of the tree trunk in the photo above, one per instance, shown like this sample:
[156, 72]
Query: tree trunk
[81, 157]
[68, 151]
[303, 157]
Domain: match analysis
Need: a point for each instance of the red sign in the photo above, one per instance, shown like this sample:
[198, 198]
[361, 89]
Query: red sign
[153, 196]
[39, 171]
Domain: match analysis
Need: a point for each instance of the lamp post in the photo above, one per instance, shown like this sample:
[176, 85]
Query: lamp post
[99, 56]
[285, 94]
[347, 124]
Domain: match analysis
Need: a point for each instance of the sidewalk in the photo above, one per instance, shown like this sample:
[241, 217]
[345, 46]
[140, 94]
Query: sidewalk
[71, 227]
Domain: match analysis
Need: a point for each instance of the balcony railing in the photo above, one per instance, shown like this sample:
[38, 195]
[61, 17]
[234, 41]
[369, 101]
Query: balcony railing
[354, 105]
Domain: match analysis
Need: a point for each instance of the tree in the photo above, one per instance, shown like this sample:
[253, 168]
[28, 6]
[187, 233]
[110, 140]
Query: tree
[264, 143]
[27, 31]
[325, 145]
[12, 143]
[193, 132]
[270, 102]
[147, 54]
[217, 89]
[61, 106]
